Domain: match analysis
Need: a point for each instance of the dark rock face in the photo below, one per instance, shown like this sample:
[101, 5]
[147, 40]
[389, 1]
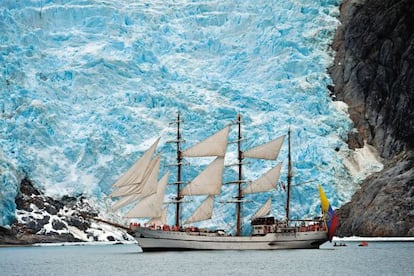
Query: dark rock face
[374, 74]
[384, 206]
[79, 222]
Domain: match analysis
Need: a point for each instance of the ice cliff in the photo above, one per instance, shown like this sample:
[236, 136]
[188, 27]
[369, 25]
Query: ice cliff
[87, 85]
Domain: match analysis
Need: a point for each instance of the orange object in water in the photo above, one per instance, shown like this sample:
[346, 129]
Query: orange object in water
[364, 243]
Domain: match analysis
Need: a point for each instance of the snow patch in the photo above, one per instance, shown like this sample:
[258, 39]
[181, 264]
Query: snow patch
[341, 106]
[362, 162]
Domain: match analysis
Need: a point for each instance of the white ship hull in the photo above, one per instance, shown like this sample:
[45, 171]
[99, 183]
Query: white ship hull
[159, 240]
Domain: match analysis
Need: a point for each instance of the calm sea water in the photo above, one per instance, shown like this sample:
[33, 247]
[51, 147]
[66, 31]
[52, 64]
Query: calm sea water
[379, 258]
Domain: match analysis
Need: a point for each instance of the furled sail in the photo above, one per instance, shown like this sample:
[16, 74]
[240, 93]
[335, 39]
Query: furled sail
[149, 187]
[203, 212]
[265, 210]
[208, 182]
[266, 182]
[268, 151]
[146, 187]
[215, 145]
[137, 172]
[150, 206]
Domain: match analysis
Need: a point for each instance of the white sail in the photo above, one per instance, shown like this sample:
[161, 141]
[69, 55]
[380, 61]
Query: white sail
[203, 212]
[133, 193]
[146, 187]
[208, 182]
[265, 183]
[150, 206]
[150, 184]
[265, 210]
[159, 220]
[268, 151]
[126, 190]
[215, 145]
[137, 172]
[125, 201]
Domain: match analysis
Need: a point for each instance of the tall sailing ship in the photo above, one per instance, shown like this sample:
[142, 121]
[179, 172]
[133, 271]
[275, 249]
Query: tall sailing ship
[140, 186]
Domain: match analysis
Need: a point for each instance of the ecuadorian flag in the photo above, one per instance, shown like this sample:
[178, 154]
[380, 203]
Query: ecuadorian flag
[329, 215]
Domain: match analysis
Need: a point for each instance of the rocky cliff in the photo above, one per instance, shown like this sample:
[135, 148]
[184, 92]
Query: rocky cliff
[374, 74]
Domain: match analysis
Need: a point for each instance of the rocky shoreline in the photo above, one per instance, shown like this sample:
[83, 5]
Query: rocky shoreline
[42, 219]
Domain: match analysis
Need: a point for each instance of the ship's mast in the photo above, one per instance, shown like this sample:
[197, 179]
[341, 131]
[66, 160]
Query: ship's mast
[289, 180]
[178, 197]
[239, 184]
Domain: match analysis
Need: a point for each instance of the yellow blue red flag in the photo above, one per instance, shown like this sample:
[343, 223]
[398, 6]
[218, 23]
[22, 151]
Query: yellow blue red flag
[329, 215]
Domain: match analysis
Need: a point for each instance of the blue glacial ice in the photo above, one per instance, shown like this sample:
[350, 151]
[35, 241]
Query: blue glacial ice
[86, 87]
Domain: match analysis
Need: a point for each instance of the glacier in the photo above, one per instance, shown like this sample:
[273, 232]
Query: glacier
[87, 86]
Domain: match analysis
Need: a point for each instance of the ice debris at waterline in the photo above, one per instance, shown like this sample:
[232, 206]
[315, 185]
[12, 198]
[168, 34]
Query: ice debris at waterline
[86, 87]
